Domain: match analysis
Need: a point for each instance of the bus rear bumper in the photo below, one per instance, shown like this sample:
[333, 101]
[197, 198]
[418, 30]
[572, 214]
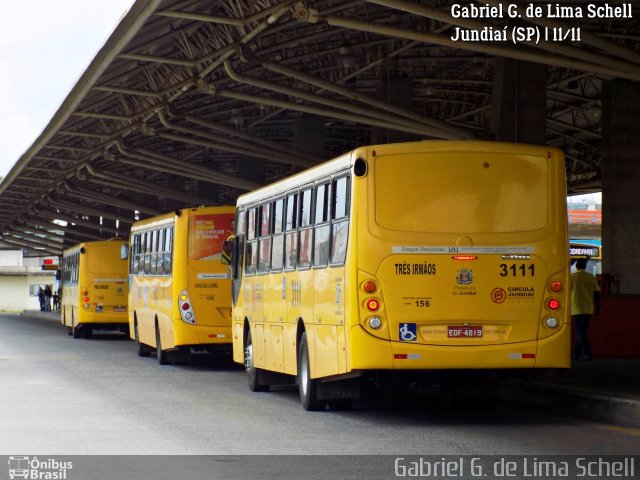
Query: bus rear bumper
[203, 335]
[104, 318]
[370, 353]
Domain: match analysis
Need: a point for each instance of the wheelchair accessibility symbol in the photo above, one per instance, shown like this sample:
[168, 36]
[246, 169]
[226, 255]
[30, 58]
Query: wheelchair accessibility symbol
[408, 332]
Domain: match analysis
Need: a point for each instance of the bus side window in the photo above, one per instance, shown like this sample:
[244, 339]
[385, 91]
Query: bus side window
[153, 263]
[339, 220]
[241, 235]
[76, 262]
[135, 254]
[147, 253]
[278, 237]
[291, 236]
[265, 238]
[168, 251]
[305, 242]
[162, 233]
[322, 228]
[251, 256]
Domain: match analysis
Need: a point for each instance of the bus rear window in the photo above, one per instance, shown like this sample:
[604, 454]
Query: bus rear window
[462, 192]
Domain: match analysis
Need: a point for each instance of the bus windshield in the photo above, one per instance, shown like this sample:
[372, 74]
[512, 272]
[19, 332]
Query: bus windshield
[478, 192]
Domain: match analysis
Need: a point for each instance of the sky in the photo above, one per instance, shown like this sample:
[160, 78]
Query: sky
[45, 46]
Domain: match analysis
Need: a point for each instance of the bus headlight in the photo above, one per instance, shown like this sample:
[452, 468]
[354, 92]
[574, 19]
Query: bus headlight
[552, 322]
[375, 322]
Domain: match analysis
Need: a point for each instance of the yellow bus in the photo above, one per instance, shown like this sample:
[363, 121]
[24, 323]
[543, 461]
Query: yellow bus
[94, 288]
[179, 292]
[431, 255]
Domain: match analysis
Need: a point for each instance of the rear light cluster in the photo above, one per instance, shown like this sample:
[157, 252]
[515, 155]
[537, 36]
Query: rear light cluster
[553, 304]
[86, 300]
[372, 304]
[186, 310]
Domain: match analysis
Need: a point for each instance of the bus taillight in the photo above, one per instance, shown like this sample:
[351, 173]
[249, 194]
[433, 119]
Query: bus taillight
[186, 310]
[86, 299]
[555, 286]
[372, 304]
[369, 286]
[553, 304]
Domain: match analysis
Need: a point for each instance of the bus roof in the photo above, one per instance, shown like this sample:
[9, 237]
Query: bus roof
[168, 218]
[96, 243]
[347, 160]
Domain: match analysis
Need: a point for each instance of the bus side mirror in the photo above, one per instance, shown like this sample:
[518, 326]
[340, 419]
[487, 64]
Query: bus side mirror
[58, 275]
[124, 252]
[227, 250]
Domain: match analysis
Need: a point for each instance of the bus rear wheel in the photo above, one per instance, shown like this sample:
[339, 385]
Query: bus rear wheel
[77, 331]
[253, 374]
[161, 354]
[87, 332]
[142, 350]
[307, 386]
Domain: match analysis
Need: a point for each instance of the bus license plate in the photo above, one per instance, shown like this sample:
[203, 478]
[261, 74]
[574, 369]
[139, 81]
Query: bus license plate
[464, 331]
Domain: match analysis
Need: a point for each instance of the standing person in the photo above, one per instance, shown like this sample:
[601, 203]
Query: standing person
[585, 301]
[47, 298]
[56, 301]
[41, 298]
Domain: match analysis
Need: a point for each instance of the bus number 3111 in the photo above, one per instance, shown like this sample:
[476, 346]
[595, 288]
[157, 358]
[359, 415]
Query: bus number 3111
[513, 269]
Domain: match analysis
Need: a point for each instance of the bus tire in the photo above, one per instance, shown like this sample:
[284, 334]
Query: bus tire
[77, 331]
[253, 374]
[142, 350]
[307, 386]
[161, 354]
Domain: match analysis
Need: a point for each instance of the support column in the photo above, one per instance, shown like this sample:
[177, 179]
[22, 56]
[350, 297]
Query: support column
[519, 102]
[620, 182]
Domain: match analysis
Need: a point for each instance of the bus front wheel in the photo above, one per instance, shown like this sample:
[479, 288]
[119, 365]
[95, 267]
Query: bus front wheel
[308, 387]
[253, 374]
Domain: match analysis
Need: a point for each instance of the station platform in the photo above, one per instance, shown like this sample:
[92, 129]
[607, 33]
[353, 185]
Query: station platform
[605, 389]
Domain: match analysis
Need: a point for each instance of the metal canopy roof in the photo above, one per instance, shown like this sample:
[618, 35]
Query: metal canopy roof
[189, 99]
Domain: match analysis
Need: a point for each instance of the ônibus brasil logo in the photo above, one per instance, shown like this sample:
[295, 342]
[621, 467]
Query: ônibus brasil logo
[35, 469]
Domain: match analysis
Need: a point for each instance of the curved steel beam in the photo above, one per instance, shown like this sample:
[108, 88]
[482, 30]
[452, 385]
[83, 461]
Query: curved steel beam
[159, 191]
[369, 101]
[363, 115]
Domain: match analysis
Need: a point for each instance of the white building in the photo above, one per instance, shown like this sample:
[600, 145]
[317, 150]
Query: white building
[20, 279]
